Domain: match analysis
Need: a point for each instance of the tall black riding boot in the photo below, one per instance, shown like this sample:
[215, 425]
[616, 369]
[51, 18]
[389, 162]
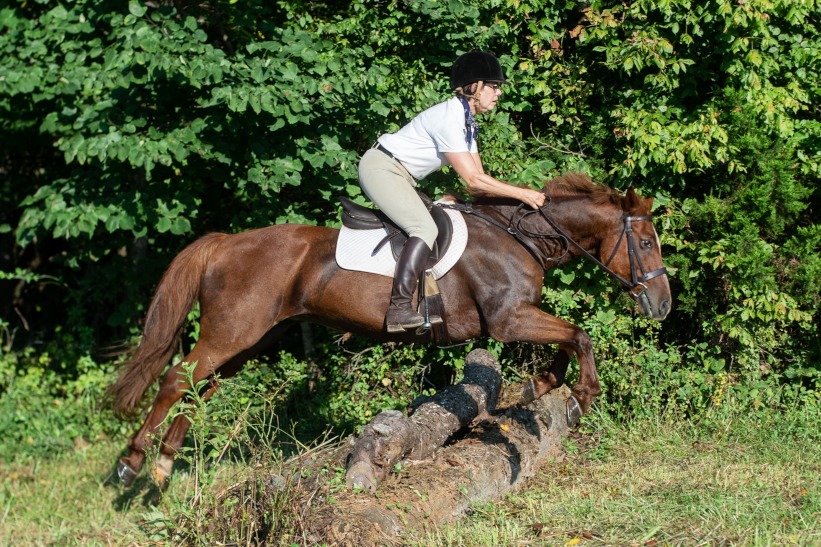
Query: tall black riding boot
[401, 316]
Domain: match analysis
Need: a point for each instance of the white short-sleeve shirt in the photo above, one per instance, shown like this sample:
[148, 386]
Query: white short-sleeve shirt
[421, 145]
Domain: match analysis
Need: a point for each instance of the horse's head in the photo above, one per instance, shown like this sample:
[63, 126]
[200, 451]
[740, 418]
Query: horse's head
[633, 253]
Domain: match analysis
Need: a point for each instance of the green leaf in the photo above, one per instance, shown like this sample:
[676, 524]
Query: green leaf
[163, 224]
[180, 226]
[567, 277]
[137, 9]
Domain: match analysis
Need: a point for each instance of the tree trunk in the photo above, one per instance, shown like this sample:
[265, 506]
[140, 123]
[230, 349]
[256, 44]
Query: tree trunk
[391, 437]
[496, 455]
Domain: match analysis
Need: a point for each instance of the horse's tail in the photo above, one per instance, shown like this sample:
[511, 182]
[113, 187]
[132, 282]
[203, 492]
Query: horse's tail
[175, 295]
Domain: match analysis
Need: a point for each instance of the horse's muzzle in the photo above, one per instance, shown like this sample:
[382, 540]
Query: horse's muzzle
[656, 308]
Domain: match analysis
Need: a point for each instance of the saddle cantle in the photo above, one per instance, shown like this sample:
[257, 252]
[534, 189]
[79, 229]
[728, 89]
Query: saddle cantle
[359, 217]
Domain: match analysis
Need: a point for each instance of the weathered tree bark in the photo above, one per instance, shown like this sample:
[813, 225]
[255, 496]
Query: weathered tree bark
[495, 456]
[391, 437]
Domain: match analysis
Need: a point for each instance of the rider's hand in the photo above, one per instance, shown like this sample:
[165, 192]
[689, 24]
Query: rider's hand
[533, 198]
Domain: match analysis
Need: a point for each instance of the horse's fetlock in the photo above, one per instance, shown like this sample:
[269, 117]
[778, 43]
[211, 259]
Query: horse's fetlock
[162, 468]
[168, 451]
[550, 380]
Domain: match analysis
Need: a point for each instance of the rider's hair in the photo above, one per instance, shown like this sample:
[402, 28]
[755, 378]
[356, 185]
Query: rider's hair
[466, 92]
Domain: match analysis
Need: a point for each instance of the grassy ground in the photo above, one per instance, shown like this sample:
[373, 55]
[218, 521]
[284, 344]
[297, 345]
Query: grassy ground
[730, 482]
[662, 484]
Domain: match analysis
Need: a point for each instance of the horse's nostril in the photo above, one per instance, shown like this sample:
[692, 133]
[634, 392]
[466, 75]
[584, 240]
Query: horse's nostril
[664, 308]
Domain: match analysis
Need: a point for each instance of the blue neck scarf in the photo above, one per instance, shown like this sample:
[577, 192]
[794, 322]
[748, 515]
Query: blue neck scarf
[471, 125]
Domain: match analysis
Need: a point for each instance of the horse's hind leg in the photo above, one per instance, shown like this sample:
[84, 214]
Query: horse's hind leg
[172, 441]
[226, 360]
[172, 387]
[175, 435]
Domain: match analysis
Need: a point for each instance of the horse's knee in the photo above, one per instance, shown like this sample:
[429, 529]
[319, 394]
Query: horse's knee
[582, 342]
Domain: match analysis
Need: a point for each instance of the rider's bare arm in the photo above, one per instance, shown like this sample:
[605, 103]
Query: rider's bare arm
[469, 167]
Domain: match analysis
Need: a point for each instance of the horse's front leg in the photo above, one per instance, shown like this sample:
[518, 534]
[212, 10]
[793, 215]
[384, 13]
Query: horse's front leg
[530, 324]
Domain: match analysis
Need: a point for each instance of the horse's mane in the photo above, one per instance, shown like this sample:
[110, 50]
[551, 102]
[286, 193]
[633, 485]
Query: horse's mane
[572, 184]
[568, 184]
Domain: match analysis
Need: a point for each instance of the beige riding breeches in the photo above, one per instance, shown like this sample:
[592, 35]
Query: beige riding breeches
[391, 188]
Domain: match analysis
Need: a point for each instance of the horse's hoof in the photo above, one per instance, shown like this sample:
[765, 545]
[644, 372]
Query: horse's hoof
[125, 473]
[528, 393]
[574, 412]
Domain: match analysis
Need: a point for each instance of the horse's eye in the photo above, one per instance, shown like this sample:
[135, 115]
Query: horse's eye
[646, 244]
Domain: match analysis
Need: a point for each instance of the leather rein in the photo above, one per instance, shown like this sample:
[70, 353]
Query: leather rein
[636, 286]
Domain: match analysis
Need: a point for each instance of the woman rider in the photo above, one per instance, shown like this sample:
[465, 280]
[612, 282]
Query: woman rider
[444, 134]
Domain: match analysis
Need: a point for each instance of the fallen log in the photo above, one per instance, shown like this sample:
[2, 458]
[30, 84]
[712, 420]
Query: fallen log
[391, 436]
[496, 455]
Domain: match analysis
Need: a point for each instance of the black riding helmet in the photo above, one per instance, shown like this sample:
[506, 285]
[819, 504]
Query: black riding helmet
[474, 66]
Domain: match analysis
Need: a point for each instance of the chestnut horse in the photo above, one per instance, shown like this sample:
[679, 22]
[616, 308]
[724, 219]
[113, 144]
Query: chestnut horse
[253, 285]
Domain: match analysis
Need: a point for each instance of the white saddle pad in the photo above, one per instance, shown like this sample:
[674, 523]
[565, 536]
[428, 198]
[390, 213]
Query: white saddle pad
[354, 249]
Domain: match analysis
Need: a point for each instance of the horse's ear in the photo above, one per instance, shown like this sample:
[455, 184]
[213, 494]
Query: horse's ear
[631, 200]
[635, 204]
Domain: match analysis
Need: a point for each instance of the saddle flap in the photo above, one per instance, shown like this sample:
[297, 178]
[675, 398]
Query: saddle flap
[359, 217]
[354, 250]
[440, 247]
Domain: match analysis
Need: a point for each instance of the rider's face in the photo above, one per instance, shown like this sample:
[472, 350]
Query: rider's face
[487, 97]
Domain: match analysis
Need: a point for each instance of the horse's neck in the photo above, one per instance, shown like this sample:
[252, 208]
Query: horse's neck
[584, 221]
[580, 220]
[502, 210]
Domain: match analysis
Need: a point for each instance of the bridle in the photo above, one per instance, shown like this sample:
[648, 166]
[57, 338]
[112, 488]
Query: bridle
[639, 276]
[636, 285]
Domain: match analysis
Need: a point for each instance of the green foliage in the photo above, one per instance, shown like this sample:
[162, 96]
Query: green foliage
[128, 130]
[52, 400]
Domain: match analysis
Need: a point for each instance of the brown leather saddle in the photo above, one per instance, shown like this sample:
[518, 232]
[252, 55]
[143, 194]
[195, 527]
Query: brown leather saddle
[359, 217]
